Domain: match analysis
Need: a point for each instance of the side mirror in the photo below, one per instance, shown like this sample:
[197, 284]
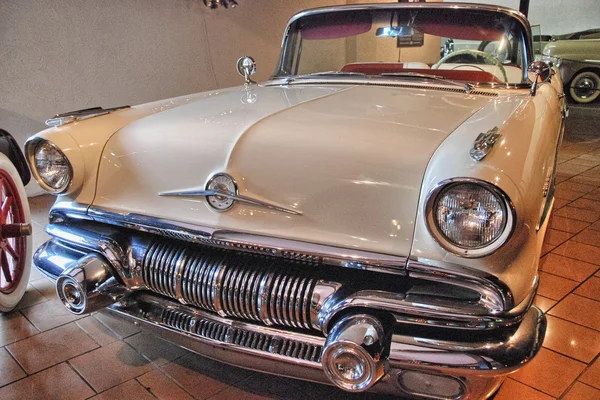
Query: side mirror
[246, 67]
[538, 72]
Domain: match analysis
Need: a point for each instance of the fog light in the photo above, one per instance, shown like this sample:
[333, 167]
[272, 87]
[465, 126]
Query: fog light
[87, 285]
[352, 358]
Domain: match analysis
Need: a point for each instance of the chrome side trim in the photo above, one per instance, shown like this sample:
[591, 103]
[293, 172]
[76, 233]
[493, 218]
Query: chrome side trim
[285, 248]
[234, 196]
[80, 115]
[495, 296]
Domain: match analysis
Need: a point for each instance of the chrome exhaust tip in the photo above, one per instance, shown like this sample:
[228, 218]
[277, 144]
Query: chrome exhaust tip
[353, 358]
[88, 285]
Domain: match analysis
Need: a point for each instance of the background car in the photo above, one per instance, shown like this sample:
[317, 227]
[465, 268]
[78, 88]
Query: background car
[579, 65]
[15, 223]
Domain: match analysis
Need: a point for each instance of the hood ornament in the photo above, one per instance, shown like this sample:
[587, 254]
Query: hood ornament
[484, 144]
[221, 193]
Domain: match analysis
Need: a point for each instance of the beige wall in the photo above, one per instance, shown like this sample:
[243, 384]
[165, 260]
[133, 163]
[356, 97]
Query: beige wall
[60, 55]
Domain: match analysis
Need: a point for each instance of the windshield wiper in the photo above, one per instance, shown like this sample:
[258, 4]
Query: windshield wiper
[439, 78]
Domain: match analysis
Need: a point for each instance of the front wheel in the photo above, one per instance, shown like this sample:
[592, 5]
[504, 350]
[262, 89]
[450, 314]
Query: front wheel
[15, 236]
[585, 87]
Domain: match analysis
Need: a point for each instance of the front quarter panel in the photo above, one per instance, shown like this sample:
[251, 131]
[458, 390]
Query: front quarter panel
[519, 165]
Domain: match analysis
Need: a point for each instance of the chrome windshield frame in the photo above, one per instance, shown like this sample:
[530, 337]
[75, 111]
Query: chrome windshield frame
[518, 16]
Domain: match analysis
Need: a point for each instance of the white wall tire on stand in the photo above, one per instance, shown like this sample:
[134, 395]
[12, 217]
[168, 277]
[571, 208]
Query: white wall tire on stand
[15, 245]
[585, 87]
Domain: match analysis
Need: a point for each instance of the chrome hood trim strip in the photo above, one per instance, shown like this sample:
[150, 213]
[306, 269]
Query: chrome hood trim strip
[234, 196]
[289, 249]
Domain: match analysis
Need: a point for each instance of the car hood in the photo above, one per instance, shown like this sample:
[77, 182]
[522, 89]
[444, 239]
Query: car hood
[350, 159]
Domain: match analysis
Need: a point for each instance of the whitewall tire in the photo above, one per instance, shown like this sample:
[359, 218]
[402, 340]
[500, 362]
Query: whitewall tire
[585, 87]
[15, 236]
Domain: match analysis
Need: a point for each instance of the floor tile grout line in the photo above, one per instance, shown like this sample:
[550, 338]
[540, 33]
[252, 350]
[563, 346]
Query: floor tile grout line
[569, 279]
[587, 367]
[81, 376]
[571, 357]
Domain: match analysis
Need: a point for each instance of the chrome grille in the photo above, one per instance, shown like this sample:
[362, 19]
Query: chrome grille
[245, 286]
[252, 340]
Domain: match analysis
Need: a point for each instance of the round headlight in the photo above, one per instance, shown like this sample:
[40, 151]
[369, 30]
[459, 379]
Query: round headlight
[470, 219]
[51, 167]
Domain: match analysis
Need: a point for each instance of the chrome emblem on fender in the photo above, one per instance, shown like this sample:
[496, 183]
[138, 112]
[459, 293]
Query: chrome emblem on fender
[221, 184]
[484, 144]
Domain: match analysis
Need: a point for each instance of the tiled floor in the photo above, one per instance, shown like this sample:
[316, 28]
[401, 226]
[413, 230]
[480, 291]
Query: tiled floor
[48, 353]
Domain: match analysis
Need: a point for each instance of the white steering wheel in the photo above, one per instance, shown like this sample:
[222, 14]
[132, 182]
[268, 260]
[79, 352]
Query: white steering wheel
[479, 53]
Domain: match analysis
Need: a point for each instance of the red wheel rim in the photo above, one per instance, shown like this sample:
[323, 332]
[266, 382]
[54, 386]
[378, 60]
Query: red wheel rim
[13, 249]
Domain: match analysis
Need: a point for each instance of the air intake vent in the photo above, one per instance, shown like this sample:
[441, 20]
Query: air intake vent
[251, 340]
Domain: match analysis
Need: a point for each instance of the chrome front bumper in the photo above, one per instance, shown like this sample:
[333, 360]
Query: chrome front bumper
[476, 367]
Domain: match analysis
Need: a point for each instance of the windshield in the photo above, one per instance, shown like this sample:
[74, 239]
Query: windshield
[468, 45]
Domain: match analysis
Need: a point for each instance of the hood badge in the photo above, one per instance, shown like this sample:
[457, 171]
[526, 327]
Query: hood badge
[484, 144]
[221, 192]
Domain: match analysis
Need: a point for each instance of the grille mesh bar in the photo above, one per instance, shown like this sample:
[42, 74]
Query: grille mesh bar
[246, 286]
[241, 337]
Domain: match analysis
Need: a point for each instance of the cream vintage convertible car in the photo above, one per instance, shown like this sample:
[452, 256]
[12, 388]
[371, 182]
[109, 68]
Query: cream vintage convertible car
[369, 217]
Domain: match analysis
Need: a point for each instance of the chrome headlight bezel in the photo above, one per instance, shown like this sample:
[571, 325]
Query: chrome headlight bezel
[462, 251]
[31, 150]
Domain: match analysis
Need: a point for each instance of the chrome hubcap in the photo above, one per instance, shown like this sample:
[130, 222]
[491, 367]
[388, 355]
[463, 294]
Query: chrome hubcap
[585, 87]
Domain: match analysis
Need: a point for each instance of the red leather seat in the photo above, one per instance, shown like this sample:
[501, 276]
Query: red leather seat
[390, 68]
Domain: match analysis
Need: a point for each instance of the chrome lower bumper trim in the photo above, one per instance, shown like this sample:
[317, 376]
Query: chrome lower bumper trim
[478, 366]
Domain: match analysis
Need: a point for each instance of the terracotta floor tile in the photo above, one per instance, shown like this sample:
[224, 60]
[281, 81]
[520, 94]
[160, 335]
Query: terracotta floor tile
[46, 287]
[51, 347]
[544, 303]
[154, 349]
[130, 390]
[590, 288]
[586, 180]
[595, 226]
[579, 251]
[14, 326]
[579, 214]
[572, 340]
[580, 310]
[97, 331]
[555, 287]
[9, 369]
[49, 315]
[588, 161]
[56, 383]
[581, 391]
[555, 237]
[119, 327]
[571, 168]
[593, 195]
[39, 206]
[588, 236]
[594, 172]
[591, 376]
[571, 185]
[513, 390]
[562, 178]
[163, 387]
[549, 372]
[567, 267]
[567, 225]
[202, 377]
[559, 203]
[31, 297]
[587, 204]
[547, 248]
[563, 193]
[110, 366]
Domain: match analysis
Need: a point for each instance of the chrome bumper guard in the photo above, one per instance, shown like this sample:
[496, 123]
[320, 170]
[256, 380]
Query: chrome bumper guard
[404, 364]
